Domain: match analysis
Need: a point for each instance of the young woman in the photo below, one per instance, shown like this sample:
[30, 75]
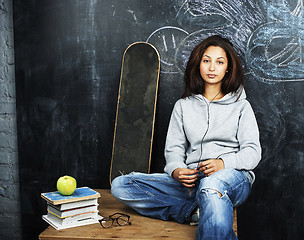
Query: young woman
[212, 146]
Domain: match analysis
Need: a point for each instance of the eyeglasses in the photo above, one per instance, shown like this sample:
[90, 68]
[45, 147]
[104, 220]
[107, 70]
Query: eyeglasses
[120, 218]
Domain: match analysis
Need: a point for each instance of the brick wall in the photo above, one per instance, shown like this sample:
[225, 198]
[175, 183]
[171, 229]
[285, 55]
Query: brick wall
[10, 226]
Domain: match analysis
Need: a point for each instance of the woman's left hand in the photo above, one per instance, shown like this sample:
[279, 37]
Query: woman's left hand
[211, 166]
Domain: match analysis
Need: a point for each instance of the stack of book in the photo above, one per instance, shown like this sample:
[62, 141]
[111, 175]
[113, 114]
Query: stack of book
[78, 209]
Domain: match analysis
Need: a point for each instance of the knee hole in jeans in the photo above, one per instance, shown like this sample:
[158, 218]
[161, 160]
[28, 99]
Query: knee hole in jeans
[210, 190]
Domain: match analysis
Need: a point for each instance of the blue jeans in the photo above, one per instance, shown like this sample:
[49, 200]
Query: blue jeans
[160, 196]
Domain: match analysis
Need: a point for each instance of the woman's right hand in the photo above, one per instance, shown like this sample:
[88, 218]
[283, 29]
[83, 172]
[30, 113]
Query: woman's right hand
[186, 177]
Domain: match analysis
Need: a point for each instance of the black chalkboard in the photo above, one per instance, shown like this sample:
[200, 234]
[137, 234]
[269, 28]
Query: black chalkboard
[68, 58]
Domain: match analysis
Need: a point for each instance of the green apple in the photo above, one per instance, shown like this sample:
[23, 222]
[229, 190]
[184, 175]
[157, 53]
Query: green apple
[66, 185]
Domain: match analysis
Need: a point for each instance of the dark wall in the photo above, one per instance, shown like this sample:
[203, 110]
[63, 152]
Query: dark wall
[68, 59]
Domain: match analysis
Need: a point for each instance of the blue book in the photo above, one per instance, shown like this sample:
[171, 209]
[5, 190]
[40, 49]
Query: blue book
[80, 194]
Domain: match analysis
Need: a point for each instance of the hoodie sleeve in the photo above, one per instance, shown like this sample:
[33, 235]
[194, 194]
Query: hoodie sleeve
[176, 142]
[249, 153]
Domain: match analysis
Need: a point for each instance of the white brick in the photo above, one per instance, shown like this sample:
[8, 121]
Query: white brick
[10, 226]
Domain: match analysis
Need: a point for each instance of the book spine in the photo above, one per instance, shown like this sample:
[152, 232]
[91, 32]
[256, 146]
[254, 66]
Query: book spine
[73, 219]
[57, 225]
[72, 205]
[72, 212]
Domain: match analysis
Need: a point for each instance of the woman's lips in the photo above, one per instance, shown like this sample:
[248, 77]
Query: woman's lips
[211, 75]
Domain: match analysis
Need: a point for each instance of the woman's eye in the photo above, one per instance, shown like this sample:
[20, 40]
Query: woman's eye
[205, 61]
[220, 62]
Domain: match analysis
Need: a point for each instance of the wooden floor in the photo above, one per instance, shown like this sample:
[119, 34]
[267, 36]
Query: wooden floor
[141, 228]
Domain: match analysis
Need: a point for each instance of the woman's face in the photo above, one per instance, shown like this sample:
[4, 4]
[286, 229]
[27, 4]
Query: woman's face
[213, 65]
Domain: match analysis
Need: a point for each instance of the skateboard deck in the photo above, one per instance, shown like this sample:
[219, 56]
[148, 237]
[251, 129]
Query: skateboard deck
[136, 106]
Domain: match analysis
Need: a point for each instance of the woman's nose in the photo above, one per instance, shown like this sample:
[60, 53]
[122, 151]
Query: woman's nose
[211, 66]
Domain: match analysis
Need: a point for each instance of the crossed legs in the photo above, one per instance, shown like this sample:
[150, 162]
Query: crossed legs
[160, 196]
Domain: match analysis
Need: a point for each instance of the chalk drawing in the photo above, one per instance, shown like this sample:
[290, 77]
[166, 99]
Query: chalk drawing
[270, 42]
[167, 39]
[239, 18]
[200, 19]
[275, 49]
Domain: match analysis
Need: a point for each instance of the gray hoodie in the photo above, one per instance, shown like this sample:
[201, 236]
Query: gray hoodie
[200, 129]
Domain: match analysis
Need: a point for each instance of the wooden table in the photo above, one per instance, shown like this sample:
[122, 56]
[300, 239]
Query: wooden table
[141, 228]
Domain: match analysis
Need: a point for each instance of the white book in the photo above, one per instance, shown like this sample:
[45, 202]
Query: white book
[73, 219]
[71, 205]
[55, 223]
[72, 212]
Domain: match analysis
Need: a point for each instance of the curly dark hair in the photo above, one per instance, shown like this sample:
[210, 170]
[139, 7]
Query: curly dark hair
[233, 79]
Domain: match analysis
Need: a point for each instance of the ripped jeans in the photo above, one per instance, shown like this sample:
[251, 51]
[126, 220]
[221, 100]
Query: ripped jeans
[160, 196]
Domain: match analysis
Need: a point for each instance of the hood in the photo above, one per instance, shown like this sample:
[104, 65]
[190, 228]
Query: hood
[228, 98]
